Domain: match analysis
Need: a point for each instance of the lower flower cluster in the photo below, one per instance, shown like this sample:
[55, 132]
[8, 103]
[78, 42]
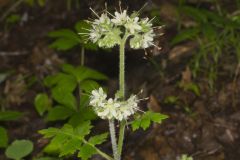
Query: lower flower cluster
[112, 108]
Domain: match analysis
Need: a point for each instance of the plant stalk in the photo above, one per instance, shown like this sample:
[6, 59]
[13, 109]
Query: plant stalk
[113, 139]
[82, 56]
[122, 91]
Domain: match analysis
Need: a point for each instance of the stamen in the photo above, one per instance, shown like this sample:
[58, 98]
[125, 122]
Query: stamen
[120, 4]
[110, 14]
[87, 29]
[142, 8]
[143, 99]
[151, 19]
[94, 12]
[159, 48]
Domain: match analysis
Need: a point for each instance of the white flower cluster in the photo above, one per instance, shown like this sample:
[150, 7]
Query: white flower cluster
[108, 32]
[112, 108]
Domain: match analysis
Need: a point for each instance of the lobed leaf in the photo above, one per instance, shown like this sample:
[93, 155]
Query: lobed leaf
[86, 152]
[98, 139]
[145, 120]
[59, 113]
[64, 97]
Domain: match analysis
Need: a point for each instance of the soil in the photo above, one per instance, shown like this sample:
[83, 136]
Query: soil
[205, 126]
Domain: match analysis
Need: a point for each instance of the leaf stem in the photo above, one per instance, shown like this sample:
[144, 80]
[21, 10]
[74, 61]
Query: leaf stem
[82, 56]
[98, 150]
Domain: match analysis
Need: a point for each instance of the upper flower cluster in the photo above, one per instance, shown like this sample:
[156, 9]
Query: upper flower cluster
[108, 32]
[112, 108]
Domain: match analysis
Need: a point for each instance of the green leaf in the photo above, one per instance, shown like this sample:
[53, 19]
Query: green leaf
[192, 87]
[82, 26]
[66, 81]
[47, 158]
[63, 44]
[42, 3]
[185, 157]
[86, 152]
[50, 132]
[145, 120]
[62, 96]
[136, 124]
[184, 35]
[13, 19]
[214, 17]
[195, 13]
[59, 113]
[157, 117]
[84, 114]
[4, 137]
[171, 100]
[42, 103]
[19, 149]
[66, 39]
[67, 140]
[10, 115]
[29, 2]
[82, 73]
[83, 129]
[89, 85]
[209, 31]
[84, 101]
[65, 33]
[70, 147]
[98, 139]
[145, 123]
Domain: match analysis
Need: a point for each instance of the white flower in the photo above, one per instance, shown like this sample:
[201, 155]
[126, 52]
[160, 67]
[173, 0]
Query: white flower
[109, 110]
[146, 25]
[95, 34]
[103, 19]
[136, 41]
[112, 108]
[120, 18]
[98, 97]
[108, 32]
[132, 25]
[147, 40]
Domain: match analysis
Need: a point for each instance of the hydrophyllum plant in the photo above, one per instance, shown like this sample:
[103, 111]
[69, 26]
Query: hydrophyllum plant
[107, 31]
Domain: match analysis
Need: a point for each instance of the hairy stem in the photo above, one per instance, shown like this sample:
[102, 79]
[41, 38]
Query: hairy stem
[113, 139]
[122, 90]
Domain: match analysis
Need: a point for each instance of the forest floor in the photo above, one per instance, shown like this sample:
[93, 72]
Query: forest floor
[204, 124]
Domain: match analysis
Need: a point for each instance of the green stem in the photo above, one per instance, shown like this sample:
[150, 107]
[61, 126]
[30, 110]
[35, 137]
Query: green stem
[122, 67]
[113, 139]
[98, 151]
[90, 144]
[82, 56]
[121, 138]
[122, 90]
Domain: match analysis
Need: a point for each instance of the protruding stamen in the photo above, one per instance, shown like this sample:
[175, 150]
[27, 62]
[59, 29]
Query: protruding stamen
[94, 12]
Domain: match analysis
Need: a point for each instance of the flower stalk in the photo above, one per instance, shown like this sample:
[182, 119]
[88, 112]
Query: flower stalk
[113, 139]
[122, 90]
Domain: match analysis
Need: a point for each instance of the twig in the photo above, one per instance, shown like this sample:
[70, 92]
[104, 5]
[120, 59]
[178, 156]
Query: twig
[14, 6]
